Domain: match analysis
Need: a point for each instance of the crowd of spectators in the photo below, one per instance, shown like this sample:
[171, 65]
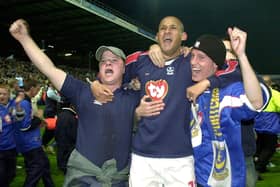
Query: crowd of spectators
[12, 68]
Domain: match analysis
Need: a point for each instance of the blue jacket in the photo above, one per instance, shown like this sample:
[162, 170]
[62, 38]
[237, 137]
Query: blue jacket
[216, 135]
[27, 132]
[7, 114]
[268, 121]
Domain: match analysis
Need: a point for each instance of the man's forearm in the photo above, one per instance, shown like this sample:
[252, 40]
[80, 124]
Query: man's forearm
[251, 83]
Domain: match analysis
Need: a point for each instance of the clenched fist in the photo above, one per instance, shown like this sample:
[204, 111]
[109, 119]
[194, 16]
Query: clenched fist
[19, 29]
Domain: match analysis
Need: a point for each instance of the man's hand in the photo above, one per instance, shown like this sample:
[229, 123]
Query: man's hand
[159, 59]
[185, 50]
[135, 84]
[194, 91]
[147, 107]
[238, 41]
[101, 92]
[19, 98]
[156, 55]
[19, 29]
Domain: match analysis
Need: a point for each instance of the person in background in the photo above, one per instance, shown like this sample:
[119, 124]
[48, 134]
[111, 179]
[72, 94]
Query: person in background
[15, 88]
[35, 110]
[267, 126]
[65, 133]
[50, 114]
[28, 139]
[248, 139]
[8, 151]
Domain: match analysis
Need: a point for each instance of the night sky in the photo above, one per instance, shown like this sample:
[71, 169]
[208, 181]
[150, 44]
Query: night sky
[259, 18]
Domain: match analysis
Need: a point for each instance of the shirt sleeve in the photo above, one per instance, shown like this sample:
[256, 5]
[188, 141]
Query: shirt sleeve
[131, 66]
[274, 103]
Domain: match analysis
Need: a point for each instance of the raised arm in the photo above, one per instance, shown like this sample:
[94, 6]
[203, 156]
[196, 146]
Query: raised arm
[20, 31]
[251, 84]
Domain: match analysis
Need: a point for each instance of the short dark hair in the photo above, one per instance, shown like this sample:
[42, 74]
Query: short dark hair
[29, 83]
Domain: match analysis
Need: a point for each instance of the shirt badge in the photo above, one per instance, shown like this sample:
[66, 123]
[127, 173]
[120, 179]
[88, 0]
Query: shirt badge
[170, 70]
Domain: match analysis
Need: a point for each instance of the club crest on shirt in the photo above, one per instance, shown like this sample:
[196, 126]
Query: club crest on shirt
[221, 165]
[156, 89]
[170, 70]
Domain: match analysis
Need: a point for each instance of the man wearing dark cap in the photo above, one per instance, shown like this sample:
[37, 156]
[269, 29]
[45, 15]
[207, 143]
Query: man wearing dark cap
[217, 115]
[102, 150]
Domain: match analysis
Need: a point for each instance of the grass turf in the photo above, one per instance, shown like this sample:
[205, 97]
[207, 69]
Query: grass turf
[270, 178]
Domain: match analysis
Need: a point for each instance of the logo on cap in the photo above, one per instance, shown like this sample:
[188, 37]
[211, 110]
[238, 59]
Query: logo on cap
[197, 43]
